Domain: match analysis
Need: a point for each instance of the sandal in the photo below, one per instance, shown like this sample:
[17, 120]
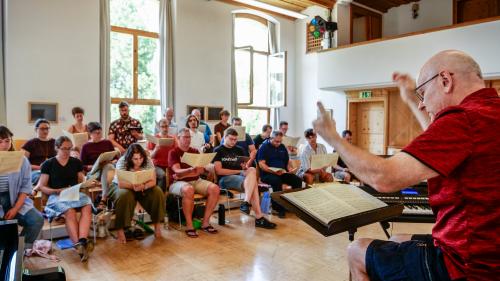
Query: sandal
[210, 229]
[191, 233]
[139, 234]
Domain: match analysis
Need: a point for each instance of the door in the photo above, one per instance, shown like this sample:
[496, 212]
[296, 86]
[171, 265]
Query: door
[370, 127]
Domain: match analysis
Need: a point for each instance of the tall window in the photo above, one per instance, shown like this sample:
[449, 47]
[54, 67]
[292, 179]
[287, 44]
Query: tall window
[260, 74]
[135, 58]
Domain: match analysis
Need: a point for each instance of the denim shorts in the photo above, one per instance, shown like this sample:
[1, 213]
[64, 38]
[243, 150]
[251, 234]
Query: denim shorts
[234, 182]
[417, 259]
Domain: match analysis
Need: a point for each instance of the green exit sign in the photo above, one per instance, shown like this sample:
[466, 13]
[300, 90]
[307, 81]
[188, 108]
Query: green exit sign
[365, 94]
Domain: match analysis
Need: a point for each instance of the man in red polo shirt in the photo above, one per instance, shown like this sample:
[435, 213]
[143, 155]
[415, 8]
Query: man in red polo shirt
[459, 154]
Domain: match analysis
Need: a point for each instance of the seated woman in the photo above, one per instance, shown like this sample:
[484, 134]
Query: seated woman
[197, 137]
[14, 190]
[79, 126]
[39, 149]
[308, 175]
[159, 154]
[90, 152]
[125, 194]
[58, 173]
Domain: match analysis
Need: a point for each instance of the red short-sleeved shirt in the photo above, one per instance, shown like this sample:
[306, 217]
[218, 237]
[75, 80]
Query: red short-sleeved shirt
[161, 157]
[174, 157]
[463, 146]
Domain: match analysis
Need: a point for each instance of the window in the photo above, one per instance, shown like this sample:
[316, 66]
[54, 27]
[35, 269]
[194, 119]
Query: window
[260, 75]
[135, 58]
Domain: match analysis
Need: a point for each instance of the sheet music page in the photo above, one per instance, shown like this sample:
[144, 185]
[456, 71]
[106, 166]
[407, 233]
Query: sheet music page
[320, 161]
[274, 169]
[197, 160]
[138, 177]
[152, 139]
[70, 193]
[103, 157]
[290, 141]
[241, 132]
[354, 197]
[10, 161]
[172, 131]
[78, 139]
[165, 141]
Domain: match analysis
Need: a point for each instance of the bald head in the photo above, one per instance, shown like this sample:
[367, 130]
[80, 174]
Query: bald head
[454, 61]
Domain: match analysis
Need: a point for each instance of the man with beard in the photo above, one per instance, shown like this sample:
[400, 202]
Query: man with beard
[126, 130]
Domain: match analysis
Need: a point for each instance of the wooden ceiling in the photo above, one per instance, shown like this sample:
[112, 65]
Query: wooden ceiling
[383, 5]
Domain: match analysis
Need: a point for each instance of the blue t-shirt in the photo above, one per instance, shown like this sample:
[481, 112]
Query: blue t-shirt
[276, 157]
[207, 132]
[244, 144]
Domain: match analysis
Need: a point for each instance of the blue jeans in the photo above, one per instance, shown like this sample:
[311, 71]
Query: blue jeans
[32, 221]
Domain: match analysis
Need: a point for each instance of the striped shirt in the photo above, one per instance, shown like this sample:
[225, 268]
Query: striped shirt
[4, 183]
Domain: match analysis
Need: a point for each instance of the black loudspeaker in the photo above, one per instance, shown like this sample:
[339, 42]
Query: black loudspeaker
[46, 274]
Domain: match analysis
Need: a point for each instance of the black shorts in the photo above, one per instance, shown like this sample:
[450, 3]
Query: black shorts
[417, 259]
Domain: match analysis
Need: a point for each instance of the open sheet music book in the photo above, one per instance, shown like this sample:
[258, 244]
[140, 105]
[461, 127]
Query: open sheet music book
[78, 139]
[197, 160]
[10, 161]
[290, 141]
[73, 193]
[138, 177]
[104, 157]
[333, 201]
[160, 141]
[319, 161]
[274, 169]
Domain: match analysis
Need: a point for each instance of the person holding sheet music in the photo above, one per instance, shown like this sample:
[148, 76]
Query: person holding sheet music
[221, 127]
[312, 148]
[292, 150]
[458, 153]
[126, 195]
[58, 173]
[238, 175]
[186, 182]
[79, 126]
[260, 138]
[207, 133]
[197, 138]
[247, 145]
[124, 131]
[276, 167]
[89, 155]
[159, 154]
[14, 191]
[39, 149]
[169, 116]
[340, 170]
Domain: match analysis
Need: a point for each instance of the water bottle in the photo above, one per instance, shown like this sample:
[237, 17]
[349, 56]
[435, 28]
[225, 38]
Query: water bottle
[265, 204]
[222, 214]
[1, 212]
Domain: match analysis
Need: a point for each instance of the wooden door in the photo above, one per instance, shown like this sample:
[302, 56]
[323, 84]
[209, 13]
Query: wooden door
[370, 127]
[469, 10]
[403, 125]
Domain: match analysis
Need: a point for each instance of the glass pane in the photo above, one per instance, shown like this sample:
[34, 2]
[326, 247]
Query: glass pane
[136, 14]
[253, 119]
[149, 68]
[121, 67]
[146, 114]
[277, 79]
[248, 32]
[259, 80]
[242, 66]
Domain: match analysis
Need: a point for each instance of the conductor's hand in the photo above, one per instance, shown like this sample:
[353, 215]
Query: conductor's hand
[406, 85]
[325, 126]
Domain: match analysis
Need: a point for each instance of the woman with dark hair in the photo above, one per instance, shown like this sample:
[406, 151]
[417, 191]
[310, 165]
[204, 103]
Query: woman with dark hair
[14, 190]
[126, 195]
[90, 152]
[39, 148]
[197, 137]
[58, 173]
[79, 126]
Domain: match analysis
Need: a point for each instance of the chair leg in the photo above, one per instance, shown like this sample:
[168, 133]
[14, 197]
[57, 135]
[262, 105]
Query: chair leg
[50, 233]
[228, 206]
[179, 209]
[94, 226]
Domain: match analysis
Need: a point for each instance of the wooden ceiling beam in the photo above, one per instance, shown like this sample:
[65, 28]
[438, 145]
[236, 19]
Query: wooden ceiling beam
[284, 5]
[377, 5]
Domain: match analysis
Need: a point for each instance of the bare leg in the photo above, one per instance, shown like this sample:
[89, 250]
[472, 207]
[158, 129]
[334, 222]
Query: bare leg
[120, 236]
[157, 230]
[213, 198]
[400, 238]
[71, 225]
[252, 191]
[356, 253]
[85, 221]
[188, 204]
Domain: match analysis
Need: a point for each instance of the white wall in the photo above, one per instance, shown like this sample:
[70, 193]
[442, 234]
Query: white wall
[52, 55]
[203, 41]
[432, 13]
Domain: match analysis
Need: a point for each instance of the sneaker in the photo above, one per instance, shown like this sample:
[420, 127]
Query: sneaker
[264, 223]
[245, 207]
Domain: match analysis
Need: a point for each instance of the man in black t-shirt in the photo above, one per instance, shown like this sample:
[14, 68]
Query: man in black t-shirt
[260, 138]
[234, 173]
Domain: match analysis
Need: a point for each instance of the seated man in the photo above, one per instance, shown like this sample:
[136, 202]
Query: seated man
[124, 131]
[260, 138]
[247, 145]
[239, 175]
[275, 166]
[159, 154]
[312, 148]
[187, 182]
[292, 150]
[341, 171]
[207, 133]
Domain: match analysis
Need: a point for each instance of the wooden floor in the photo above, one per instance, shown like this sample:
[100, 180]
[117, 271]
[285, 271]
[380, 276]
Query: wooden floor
[293, 251]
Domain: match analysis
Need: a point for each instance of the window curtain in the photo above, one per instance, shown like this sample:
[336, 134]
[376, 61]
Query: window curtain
[167, 96]
[274, 48]
[3, 98]
[104, 60]
[234, 97]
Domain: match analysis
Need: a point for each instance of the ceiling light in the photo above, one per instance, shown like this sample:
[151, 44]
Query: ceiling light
[272, 8]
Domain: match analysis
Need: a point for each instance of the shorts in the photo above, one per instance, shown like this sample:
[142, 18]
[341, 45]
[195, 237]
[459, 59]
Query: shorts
[417, 259]
[200, 187]
[233, 182]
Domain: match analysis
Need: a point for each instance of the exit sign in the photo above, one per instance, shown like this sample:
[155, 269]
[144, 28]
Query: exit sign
[365, 94]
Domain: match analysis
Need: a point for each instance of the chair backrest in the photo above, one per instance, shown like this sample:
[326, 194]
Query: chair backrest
[18, 144]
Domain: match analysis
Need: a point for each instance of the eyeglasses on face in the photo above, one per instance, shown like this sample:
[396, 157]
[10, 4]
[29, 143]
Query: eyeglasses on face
[419, 93]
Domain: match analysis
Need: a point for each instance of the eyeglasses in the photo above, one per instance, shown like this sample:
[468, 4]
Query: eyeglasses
[65, 148]
[419, 95]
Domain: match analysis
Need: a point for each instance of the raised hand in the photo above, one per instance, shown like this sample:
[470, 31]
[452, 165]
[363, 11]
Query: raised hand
[325, 126]
[406, 85]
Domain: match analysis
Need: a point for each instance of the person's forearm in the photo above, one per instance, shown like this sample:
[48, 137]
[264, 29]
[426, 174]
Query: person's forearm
[227, 172]
[35, 167]
[20, 201]
[47, 190]
[422, 118]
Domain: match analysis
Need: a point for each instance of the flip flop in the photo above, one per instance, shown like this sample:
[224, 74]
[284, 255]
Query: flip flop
[210, 229]
[191, 233]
